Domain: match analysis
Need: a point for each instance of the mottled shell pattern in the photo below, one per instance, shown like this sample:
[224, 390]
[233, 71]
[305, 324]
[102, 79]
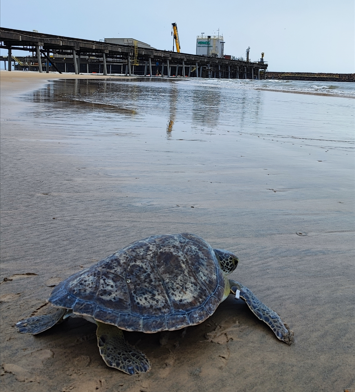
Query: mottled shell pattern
[163, 282]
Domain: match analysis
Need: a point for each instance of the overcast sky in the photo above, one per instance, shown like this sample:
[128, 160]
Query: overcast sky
[302, 35]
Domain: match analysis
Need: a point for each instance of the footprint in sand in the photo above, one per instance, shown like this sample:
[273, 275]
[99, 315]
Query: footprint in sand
[168, 366]
[86, 386]
[8, 297]
[81, 361]
[52, 282]
[19, 276]
[21, 374]
[223, 333]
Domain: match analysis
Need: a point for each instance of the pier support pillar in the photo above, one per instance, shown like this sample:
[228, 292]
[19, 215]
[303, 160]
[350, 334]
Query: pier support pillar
[196, 70]
[238, 72]
[105, 64]
[47, 67]
[245, 72]
[39, 59]
[177, 70]
[168, 67]
[78, 59]
[219, 71]
[87, 67]
[189, 70]
[162, 69]
[252, 73]
[183, 68]
[229, 71]
[150, 67]
[75, 62]
[145, 68]
[129, 65]
[9, 58]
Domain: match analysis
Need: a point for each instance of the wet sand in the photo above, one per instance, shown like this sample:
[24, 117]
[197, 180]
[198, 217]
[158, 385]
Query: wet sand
[67, 203]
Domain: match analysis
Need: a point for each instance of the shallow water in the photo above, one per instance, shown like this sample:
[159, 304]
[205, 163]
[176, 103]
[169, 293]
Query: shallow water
[205, 108]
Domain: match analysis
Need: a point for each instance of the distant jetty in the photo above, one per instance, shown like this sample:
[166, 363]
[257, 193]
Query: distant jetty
[324, 77]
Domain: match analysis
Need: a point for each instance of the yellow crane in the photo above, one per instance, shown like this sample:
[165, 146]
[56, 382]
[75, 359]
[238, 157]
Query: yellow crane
[176, 38]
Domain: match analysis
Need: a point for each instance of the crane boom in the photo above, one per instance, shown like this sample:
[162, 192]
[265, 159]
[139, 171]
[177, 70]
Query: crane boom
[176, 37]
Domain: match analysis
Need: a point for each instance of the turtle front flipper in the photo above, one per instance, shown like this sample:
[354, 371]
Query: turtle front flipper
[42, 322]
[117, 353]
[263, 313]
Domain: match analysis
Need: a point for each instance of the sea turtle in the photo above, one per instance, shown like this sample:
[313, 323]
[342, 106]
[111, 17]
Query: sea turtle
[160, 283]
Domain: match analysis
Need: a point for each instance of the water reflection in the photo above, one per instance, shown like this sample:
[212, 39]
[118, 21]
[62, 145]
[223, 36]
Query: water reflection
[174, 92]
[77, 96]
[206, 107]
[250, 108]
[169, 102]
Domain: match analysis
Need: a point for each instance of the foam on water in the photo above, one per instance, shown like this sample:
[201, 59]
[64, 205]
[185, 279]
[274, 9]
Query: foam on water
[342, 89]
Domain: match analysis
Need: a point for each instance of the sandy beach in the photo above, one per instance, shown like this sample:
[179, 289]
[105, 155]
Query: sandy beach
[71, 195]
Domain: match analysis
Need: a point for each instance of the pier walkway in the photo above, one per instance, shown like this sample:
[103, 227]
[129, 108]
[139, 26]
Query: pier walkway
[66, 54]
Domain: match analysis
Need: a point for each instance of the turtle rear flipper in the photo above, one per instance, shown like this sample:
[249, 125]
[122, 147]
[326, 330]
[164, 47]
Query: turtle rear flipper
[40, 323]
[263, 313]
[117, 353]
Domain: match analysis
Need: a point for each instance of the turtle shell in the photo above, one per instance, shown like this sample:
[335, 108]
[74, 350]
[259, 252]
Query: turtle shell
[163, 282]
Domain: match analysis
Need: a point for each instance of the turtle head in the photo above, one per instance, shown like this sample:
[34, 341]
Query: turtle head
[227, 260]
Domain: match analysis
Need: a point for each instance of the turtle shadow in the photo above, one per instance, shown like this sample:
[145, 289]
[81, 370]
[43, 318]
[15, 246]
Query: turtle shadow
[229, 312]
[182, 348]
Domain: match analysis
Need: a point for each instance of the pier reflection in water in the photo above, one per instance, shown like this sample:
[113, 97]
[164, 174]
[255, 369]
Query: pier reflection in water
[180, 105]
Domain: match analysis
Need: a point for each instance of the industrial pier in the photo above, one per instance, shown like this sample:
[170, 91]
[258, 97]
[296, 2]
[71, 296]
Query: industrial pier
[65, 54]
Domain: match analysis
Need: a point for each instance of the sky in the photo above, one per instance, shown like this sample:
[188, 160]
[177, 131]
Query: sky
[296, 36]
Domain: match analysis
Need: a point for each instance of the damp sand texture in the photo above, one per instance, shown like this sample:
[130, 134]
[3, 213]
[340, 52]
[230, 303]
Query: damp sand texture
[88, 167]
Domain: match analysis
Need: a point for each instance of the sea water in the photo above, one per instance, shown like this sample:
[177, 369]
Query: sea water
[205, 107]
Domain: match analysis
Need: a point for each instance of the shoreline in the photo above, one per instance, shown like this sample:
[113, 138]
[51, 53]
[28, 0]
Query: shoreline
[29, 79]
[15, 82]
